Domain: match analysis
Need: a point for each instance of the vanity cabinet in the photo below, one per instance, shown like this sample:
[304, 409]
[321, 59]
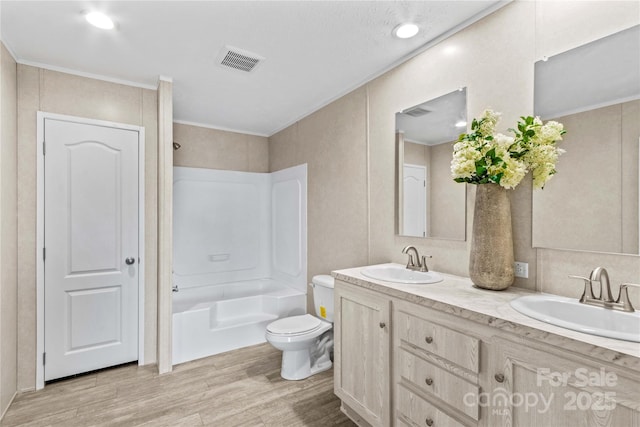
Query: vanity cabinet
[402, 363]
[361, 353]
[536, 387]
[438, 365]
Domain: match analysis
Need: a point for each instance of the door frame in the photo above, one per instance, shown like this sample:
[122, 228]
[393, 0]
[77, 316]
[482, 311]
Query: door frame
[40, 331]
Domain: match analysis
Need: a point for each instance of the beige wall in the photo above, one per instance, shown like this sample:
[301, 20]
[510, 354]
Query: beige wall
[333, 143]
[601, 214]
[446, 197]
[8, 226]
[55, 92]
[217, 149]
[494, 59]
[416, 154]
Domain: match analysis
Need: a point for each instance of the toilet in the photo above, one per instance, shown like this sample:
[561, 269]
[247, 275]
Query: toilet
[306, 341]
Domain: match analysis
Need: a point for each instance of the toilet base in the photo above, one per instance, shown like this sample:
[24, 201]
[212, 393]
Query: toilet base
[301, 364]
[296, 365]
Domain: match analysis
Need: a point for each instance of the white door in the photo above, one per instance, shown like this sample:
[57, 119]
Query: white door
[91, 247]
[414, 208]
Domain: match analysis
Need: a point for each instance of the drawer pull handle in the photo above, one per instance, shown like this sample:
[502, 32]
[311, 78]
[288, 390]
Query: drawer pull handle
[429, 340]
[429, 381]
[499, 377]
[382, 325]
[429, 422]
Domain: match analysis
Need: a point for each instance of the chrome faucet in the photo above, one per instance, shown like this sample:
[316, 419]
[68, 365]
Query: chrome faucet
[597, 275]
[605, 299]
[421, 261]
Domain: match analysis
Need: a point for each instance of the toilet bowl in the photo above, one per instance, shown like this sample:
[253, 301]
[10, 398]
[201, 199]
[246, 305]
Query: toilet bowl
[306, 341]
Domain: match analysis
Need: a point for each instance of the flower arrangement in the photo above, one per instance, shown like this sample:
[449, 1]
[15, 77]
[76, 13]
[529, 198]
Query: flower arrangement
[483, 156]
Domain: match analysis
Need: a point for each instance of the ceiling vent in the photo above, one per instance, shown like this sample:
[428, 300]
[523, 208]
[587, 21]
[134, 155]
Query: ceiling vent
[238, 59]
[416, 111]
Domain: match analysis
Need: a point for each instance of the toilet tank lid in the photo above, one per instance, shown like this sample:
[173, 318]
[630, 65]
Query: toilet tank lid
[323, 280]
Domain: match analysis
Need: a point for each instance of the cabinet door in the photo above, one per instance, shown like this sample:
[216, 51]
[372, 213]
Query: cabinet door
[361, 353]
[535, 388]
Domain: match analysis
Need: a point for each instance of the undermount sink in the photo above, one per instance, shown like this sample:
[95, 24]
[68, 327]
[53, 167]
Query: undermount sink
[571, 314]
[397, 274]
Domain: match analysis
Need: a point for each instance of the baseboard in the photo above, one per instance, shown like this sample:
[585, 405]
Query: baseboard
[15, 393]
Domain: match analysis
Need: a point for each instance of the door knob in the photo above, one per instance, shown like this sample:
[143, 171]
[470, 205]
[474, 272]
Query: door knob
[129, 261]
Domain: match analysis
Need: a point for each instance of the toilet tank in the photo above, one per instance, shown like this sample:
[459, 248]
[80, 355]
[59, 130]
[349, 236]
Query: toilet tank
[323, 296]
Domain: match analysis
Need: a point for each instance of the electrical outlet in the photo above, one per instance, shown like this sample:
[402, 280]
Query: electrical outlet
[521, 269]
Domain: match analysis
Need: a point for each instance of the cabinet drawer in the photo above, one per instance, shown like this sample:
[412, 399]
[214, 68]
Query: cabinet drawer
[446, 343]
[421, 412]
[440, 383]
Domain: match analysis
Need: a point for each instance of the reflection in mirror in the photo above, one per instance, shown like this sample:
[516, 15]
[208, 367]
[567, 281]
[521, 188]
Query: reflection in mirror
[594, 90]
[430, 203]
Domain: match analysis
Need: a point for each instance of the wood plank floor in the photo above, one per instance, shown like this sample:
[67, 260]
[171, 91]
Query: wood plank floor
[238, 388]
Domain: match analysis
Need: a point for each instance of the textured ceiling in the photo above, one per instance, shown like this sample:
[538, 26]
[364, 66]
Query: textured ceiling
[315, 51]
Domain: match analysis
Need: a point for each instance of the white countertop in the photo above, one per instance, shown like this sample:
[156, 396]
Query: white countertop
[458, 296]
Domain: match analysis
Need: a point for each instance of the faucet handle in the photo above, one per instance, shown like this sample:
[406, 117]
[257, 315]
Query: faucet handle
[588, 290]
[623, 296]
[424, 263]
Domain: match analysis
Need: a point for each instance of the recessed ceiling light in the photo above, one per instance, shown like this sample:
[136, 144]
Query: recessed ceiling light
[461, 124]
[405, 31]
[100, 20]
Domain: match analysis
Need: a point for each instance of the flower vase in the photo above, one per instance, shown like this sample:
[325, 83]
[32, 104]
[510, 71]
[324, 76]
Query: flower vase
[491, 261]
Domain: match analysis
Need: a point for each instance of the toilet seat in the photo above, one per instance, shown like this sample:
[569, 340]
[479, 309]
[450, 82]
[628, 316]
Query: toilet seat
[295, 325]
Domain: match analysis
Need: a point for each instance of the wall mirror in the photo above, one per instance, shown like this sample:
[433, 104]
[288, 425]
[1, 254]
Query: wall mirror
[592, 202]
[430, 203]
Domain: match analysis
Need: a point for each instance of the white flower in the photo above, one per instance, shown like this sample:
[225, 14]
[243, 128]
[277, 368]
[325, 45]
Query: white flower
[483, 156]
[551, 132]
[489, 120]
[503, 141]
[513, 173]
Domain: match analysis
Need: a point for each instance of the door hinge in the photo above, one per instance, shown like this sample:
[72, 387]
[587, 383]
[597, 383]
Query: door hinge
[44, 254]
[424, 183]
[44, 358]
[44, 148]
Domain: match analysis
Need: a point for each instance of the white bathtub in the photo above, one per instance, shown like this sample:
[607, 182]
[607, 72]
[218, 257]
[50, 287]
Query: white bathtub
[213, 319]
